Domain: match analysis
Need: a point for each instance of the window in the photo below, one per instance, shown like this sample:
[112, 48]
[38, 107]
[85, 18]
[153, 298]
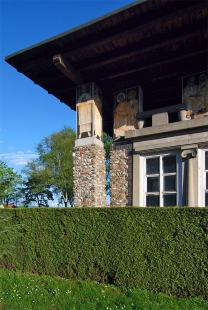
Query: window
[206, 179]
[162, 182]
[203, 178]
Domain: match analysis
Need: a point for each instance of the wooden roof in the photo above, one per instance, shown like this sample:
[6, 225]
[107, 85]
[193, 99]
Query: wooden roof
[147, 43]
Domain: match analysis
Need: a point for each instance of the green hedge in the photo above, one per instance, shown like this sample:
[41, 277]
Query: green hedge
[160, 249]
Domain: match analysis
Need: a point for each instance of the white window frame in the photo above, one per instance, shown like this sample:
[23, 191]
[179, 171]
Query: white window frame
[202, 177]
[143, 176]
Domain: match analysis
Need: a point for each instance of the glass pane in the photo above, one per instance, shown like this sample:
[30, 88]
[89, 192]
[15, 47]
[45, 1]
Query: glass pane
[152, 184]
[152, 165]
[169, 183]
[206, 160]
[207, 180]
[152, 201]
[170, 200]
[169, 164]
[206, 199]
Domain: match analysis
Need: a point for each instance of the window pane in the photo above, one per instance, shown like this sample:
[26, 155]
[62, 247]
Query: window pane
[153, 184]
[169, 164]
[152, 165]
[170, 200]
[152, 201]
[206, 199]
[169, 183]
[206, 160]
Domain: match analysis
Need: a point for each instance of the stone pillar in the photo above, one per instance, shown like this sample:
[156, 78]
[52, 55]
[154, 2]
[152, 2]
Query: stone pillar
[190, 187]
[89, 173]
[192, 174]
[118, 177]
[89, 155]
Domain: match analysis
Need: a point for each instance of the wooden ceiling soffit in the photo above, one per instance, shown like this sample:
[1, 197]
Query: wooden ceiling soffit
[61, 91]
[44, 80]
[155, 64]
[65, 67]
[139, 28]
[144, 50]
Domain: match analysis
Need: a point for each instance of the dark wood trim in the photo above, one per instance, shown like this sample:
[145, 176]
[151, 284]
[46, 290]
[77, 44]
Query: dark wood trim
[155, 64]
[144, 50]
[64, 66]
[139, 28]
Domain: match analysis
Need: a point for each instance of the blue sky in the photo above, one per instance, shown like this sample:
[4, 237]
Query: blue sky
[28, 112]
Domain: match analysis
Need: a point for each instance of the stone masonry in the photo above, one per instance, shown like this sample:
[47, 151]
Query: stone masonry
[89, 176]
[118, 177]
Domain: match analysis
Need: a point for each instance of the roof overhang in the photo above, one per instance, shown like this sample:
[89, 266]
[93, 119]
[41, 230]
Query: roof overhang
[147, 43]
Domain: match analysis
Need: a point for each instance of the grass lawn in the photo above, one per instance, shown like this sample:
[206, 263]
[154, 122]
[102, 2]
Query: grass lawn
[27, 291]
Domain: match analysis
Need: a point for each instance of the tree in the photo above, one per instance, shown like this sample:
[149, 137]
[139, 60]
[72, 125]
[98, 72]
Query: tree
[52, 172]
[37, 185]
[56, 156]
[107, 140]
[10, 184]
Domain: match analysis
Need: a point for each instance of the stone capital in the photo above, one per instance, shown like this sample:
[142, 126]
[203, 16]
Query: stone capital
[193, 153]
[88, 141]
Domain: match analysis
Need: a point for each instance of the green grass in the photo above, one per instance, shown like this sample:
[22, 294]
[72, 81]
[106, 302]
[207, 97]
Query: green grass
[27, 291]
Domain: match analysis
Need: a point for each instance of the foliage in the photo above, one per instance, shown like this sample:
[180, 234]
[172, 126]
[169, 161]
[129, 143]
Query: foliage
[52, 172]
[10, 184]
[9, 234]
[37, 185]
[56, 155]
[107, 141]
[159, 249]
[27, 291]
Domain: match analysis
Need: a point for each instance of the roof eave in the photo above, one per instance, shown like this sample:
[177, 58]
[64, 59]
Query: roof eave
[75, 29]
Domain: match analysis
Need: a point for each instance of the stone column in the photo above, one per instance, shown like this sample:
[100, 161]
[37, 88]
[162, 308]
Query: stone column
[118, 177]
[192, 174]
[89, 173]
[89, 155]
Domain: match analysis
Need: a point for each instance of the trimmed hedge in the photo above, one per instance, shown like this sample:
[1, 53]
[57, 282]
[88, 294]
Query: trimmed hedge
[159, 249]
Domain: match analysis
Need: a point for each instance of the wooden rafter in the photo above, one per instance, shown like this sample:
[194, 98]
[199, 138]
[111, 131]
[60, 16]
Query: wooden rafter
[155, 64]
[139, 28]
[144, 50]
[64, 66]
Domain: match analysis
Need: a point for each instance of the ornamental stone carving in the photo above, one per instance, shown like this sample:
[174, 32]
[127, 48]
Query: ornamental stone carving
[89, 111]
[127, 104]
[195, 94]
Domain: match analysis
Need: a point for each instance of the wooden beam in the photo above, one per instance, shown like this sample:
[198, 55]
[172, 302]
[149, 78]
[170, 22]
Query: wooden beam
[64, 66]
[155, 64]
[139, 29]
[144, 50]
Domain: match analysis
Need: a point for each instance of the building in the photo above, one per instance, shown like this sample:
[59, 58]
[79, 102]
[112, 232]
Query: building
[140, 75]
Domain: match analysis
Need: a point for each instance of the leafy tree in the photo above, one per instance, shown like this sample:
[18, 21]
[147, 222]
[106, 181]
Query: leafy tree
[37, 185]
[56, 156]
[107, 140]
[52, 172]
[10, 184]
